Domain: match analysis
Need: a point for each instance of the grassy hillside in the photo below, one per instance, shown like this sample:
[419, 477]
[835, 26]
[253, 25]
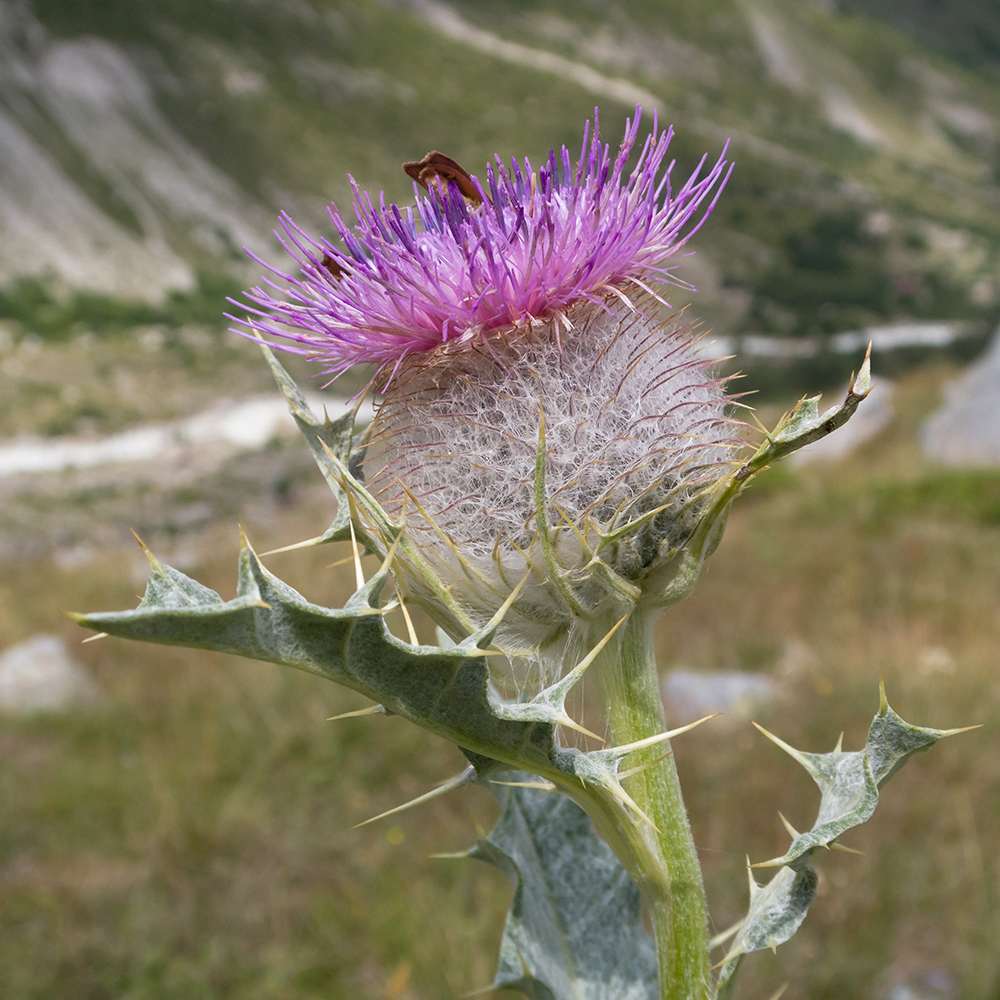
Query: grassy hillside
[191, 836]
[866, 186]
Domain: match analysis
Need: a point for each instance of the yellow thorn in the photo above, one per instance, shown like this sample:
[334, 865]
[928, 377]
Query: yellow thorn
[494, 622]
[847, 850]
[391, 551]
[358, 573]
[333, 565]
[544, 786]
[790, 750]
[944, 732]
[298, 545]
[840, 744]
[722, 937]
[883, 701]
[142, 544]
[778, 994]
[460, 779]
[626, 800]
[93, 638]
[773, 863]
[658, 738]
[568, 723]
[593, 654]
[622, 775]
[792, 832]
[370, 710]
[411, 631]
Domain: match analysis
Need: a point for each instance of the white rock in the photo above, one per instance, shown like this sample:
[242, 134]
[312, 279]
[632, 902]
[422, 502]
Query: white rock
[691, 694]
[966, 430]
[39, 675]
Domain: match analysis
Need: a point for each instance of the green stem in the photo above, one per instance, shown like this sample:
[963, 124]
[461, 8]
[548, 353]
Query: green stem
[663, 861]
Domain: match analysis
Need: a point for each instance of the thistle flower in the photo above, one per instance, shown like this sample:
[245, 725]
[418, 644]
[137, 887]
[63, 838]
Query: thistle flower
[466, 266]
[541, 415]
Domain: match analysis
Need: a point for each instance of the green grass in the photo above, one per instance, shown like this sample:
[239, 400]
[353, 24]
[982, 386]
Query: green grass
[191, 836]
[52, 318]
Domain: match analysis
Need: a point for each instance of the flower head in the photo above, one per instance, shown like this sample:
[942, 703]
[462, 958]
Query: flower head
[470, 261]
[543, 424]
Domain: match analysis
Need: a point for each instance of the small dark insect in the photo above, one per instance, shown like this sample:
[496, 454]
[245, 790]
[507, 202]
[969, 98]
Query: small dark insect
[329, 264]
[437, 169]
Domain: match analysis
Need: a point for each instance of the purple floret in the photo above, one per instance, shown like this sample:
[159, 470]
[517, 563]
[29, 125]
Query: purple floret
[450, 270]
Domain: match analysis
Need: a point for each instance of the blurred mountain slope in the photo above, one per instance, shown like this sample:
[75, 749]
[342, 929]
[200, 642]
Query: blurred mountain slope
[143, 144]
[968, 30]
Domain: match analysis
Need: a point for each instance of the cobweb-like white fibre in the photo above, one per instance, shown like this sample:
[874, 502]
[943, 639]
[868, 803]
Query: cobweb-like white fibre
[633, 420]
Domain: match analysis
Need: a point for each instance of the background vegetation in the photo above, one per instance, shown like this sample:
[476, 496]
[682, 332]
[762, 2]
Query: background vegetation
[191, 834]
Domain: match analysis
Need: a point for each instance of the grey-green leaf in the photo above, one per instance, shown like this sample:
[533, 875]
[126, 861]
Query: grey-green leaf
[323, 437]
[447, 691]
[849, 786]
[575, 930]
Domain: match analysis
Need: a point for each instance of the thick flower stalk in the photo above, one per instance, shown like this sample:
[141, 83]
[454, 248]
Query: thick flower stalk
[551, 462]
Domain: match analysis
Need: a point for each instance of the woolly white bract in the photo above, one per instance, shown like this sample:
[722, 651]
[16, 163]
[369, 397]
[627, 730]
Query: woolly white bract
[579, 451]
[544, 422]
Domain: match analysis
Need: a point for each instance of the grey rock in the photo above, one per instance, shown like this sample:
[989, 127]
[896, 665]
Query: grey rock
[691, 694]
[966, 430]
[39, 675]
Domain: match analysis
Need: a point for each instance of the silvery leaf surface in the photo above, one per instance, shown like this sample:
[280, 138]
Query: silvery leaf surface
[447, 691]
[575, 930]
[849, 786]
[324, 436]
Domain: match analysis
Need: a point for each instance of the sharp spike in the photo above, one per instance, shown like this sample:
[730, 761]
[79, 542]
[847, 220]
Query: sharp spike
[728, 957]
[839, 748]
[792, 832]
[630, 772]
[333, 565]
[562, 687]
[773, 863]
[142, 545]
[942, 733]
[494, 622]
[721, 938]
[358, 573]
[469, 774]
[780, 991]
[309, 542]
[658, 738]
[391, 552]
[370, 710]
[569, 723]
[410, 630]
[544, 786]
[847, 850]
[626, 800]
[883, 705]
[91, 638]
[790, 750]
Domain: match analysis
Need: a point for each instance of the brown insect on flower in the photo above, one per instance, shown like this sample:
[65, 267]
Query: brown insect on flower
[439, 170]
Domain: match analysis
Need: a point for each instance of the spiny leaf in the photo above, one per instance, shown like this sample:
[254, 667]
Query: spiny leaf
[849, 786]
[849, 783]
[445, 690]
[324, 436]
[674, 573]
[575, 930]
